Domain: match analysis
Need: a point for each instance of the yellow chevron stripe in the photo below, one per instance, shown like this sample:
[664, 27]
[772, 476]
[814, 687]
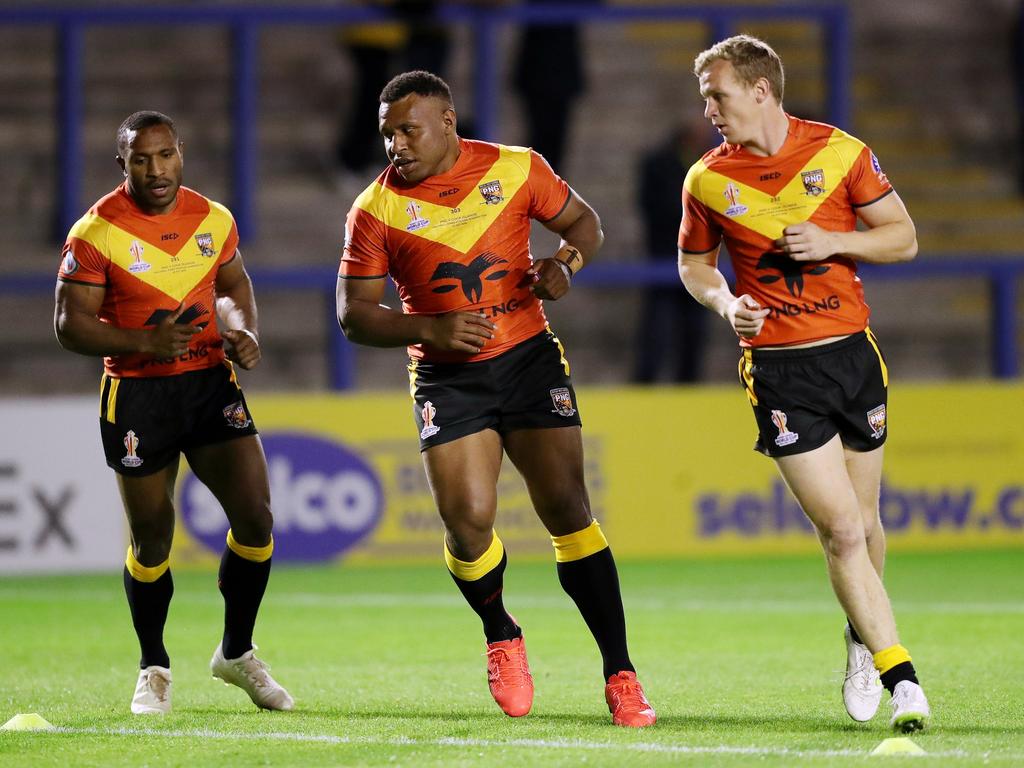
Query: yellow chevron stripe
[747, 375]
[413, 377]
[458, 228]
[768, 215]
[174, 275]
[112, 400]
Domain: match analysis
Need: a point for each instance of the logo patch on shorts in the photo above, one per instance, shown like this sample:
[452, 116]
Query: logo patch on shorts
[785, 437]
[236, 416]
[876, 420]
[429, 428]
[563, 402]
[131, 444]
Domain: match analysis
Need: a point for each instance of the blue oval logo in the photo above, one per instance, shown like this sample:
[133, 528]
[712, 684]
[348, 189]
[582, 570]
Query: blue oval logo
[325, 499]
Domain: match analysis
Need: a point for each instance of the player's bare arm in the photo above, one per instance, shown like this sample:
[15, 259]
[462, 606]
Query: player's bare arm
[236, 310]
[889, 238]
[580, 229]
[79, 329]
[702, 278]
[364, 320]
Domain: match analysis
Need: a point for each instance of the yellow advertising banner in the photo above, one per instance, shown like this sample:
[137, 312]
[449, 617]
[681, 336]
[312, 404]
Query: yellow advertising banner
[671, 472]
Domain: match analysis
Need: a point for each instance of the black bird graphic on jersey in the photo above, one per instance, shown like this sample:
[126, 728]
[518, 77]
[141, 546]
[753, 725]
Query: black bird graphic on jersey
[469, 275]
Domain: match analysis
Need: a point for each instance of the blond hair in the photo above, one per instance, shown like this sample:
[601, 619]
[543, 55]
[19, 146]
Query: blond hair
[751, 59]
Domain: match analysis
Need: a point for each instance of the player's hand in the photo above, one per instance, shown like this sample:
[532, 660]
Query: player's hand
[548, 279]
[807, 242]
[746, 316]
[244, 347]
[460, 332]
[171, 338]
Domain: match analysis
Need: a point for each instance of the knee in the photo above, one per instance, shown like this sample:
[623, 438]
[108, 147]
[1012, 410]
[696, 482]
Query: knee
[842, 541]
[254, 528]
[468, 535]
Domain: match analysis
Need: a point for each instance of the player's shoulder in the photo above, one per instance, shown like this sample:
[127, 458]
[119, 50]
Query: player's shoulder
[714, 157]
[93, 225]
[810, 131]
[192, 202]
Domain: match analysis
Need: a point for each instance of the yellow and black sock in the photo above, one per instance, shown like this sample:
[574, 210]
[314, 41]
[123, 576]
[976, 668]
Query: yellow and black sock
[894, 665]
[586, 571]
[481, 582]
[242, 579]
[149, 591]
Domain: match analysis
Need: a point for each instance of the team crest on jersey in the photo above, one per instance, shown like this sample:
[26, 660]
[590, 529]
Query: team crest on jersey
[492, 192]
[877, 168]
[415, 220]
[429, 428]
[876, 420]
[131, 444]
[137, 265]
[562, 399]
[70, 265]
[814, 182]
[732, 194]
[236, 416]
[205, 243]
[785, 437]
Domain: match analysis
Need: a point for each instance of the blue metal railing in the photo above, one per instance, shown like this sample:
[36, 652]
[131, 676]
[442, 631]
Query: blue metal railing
[246, 22]
[1003, 276]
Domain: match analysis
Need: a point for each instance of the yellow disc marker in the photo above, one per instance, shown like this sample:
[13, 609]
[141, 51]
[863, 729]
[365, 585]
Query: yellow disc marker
[899, 745]
[30, 722]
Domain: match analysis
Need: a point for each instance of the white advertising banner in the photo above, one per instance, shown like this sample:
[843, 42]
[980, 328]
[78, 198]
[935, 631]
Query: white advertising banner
[59, 505]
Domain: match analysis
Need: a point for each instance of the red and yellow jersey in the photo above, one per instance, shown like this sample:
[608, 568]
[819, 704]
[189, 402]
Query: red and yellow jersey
[820, 174]
[459, 240]
[149, 265]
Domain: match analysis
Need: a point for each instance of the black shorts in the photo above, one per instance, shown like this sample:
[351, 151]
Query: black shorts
[527, 387]
[802, 398]
[147, 422]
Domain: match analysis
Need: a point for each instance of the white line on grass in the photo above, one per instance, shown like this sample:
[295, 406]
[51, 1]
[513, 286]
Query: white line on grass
[555, 600]
[553, 744]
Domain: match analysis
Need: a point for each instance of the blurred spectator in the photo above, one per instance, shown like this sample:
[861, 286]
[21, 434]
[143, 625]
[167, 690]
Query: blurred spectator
[672, 327]
[1017, 70]
[549, 78]
[414, 40]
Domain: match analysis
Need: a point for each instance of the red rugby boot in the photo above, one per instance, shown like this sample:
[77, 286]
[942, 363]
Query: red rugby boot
[508, 676]
[626, 701]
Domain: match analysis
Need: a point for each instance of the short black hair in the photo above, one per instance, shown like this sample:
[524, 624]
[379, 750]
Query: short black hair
[420, 82]
[139, 120]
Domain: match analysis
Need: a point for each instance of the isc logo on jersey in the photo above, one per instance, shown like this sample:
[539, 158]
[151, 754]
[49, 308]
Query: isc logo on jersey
[324, 497]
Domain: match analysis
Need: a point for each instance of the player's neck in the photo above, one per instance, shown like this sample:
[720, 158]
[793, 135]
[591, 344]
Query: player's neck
[772, 135]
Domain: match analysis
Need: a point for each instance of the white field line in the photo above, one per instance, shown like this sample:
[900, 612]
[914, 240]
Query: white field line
[555, 600]
[549, 744]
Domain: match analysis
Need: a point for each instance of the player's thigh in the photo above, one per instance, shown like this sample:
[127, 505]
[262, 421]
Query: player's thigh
[463, 478]
[149, 507]
[820, 482]
[551, 462]
[865, 471]
[235, 471]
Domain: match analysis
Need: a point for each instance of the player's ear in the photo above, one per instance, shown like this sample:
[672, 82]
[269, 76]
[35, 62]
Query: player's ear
[762, 89]
[120, 162]
[449, 119]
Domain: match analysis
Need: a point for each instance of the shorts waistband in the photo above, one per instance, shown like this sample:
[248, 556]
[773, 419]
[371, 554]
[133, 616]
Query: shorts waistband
[802, 353]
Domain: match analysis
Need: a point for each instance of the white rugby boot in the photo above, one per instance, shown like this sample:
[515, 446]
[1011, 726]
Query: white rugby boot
[252, 676]
[910, 711]
[862, 688]
[152, 692]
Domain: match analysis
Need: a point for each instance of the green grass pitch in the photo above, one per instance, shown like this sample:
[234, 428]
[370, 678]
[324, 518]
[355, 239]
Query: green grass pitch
[742, 659]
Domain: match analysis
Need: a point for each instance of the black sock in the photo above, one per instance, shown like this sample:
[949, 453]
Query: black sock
[593, 584]
[902, 671]
[853, 632]
[484, 597]
[242, 582]
[148, 602]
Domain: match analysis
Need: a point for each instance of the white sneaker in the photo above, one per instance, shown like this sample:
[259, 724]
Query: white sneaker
[252, 676]
[152, 692]
[910, 711]
[862, 688]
